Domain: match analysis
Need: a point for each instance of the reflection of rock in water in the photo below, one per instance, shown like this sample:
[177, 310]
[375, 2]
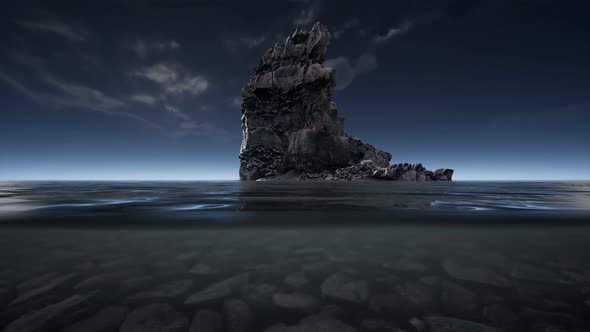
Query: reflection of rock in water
[328, 279]
[291, 129]
[338, 199]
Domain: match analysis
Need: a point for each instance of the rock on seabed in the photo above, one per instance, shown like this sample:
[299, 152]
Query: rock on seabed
[290, 126]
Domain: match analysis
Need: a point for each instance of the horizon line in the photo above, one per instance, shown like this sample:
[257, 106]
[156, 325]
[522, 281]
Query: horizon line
[237, 179]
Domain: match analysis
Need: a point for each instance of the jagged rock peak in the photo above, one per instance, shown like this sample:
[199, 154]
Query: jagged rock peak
[301, 47]
[290, 125]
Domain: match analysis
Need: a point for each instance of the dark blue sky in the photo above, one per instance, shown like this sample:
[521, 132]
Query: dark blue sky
[148, 89]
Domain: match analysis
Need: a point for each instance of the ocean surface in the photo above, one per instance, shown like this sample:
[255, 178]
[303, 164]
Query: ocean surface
[266, 256]
[240, 203]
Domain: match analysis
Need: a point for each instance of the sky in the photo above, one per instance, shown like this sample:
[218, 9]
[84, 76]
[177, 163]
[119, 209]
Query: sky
[132, 90]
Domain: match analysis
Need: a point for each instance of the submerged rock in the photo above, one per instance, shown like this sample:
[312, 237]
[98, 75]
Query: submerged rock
[207, 321]
[238, 316]
[155, 317]
[52, 316]
[292, 130]
[299, 302]
[107, 319]
[317, 325]
[458, 301]
[448, 324]
[343, 287]
[475, 274]
[168, 291]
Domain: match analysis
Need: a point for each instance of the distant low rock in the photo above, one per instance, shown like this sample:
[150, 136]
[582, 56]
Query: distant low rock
[291, 128]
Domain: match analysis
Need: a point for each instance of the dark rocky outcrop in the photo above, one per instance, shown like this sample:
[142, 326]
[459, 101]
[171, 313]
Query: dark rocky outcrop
[291, 128]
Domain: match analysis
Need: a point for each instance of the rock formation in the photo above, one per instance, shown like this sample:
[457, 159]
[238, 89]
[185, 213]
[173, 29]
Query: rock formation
[291, 129]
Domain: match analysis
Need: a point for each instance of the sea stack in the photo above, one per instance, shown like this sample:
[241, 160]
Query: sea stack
[291, 129]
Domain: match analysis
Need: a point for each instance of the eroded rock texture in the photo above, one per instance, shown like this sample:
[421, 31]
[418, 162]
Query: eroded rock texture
[291, 129]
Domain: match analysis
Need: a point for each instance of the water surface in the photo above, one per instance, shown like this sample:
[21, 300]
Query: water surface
[364, 256]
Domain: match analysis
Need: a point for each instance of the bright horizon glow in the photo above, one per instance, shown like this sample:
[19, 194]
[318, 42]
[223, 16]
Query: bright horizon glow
[223, 170]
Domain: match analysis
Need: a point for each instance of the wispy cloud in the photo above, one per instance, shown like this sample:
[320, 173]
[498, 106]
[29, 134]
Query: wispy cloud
[159, 73]
[339, 31]
[307, 15]
[144, 99]
[74, 96]
[252, 42]
[187, 125]
[195, 85]
[394, 32]
[235, 43]
[348, 69]
[173, 80]
[58, 28]
[143, 48]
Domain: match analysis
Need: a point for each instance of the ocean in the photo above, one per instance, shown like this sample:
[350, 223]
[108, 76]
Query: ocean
[286, 256]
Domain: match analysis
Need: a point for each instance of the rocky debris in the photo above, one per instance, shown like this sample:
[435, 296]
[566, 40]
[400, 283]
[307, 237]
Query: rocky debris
[50, 286]
[406, 265]
[136, 283]
[379, 325]
[158, 317]
[416, 324]
[260, 298]
[480, 275]
[411, 172]
[51, 318]
[548, 327]
[218, 291]
[298, 302]
[106, 320]
[36, 282]
[458, 301]
[390, 304]
[317, 270]
[449, 324]
[534, 273]
[416, 297]
[97, 281]
[207, 321]
[314, 325]
[167, 292]
[342, 286]
[238, 316]
[281, 273]
[296, 281]
[187, 257]
[5, 296]
[292, 130]
[203, 270]
[209, 295]
[501, 316]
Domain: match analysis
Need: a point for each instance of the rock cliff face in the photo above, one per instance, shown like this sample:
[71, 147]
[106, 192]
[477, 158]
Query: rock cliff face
[291, 129]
